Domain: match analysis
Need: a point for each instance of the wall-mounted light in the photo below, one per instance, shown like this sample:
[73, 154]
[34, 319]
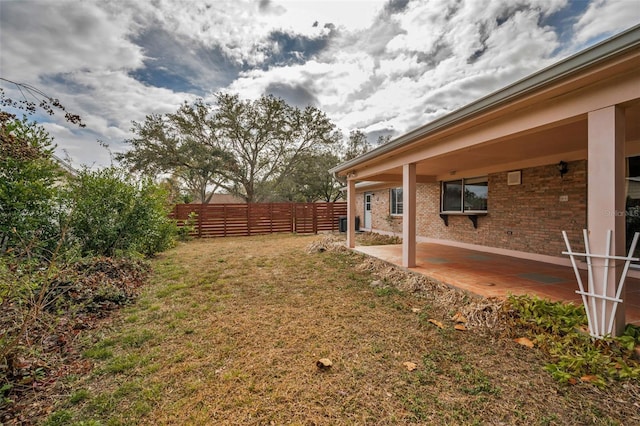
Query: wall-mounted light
[562, 168]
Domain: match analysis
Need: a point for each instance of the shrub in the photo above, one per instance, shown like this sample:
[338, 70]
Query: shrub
[559, 330]
[55, 230]
[28, 192]
[110, 213]
[187, 227]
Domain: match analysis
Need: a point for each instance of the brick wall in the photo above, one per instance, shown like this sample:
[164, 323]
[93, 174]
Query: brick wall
[380, 210]
[528, 217]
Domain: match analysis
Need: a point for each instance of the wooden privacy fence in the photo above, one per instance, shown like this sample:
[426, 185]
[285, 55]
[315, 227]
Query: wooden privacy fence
[222, 220]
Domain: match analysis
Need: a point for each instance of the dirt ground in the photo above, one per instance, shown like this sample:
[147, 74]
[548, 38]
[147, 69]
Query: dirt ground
[230, 332]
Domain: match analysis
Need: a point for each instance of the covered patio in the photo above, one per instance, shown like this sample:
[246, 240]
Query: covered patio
[494, 275]
[554, 152]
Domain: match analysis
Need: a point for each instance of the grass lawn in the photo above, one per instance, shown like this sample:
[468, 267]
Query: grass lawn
[229, 332]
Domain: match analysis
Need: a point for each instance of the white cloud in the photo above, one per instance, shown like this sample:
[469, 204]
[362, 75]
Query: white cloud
[78, 146]
[606, 17]
[379, 65]
[47, 38]
[403, 70]
[241, 28]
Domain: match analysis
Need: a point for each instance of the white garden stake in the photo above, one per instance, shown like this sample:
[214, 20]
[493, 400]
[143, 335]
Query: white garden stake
[597, 319]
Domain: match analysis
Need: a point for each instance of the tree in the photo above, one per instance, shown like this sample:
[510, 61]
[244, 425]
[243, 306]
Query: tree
[176, 193]
[29, 172]
[252, 149]
[383, 139]
[44, 102]
[28, 194]
[311, 181]
[357, 144]
[268, 139]
[183, 144]
[323, 185]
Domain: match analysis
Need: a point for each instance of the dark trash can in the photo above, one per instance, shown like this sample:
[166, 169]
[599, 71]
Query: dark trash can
[342, 224]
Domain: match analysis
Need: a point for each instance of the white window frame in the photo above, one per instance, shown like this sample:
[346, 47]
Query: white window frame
[463, 182]
[393, 205]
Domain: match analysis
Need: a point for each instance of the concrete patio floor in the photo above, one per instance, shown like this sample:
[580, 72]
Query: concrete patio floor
[488, 274]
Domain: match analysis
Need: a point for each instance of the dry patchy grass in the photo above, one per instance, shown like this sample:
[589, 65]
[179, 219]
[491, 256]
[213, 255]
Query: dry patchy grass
[230, 330]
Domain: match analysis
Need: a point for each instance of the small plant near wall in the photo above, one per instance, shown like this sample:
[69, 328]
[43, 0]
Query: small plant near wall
[375, 239]
[394, 223]
[559, 330]
[187, 227]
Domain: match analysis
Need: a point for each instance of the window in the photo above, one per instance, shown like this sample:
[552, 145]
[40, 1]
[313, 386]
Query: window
[632, 211]
[396, 201]
[465, 195]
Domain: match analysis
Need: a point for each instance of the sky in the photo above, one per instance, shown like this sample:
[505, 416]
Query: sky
[383, 67]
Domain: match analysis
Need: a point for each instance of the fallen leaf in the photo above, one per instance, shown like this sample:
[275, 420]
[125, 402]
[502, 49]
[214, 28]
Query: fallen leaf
[460, 327]
[584, 329]
[524, 342]
[410, 365]
[436, 323]
[324, 363]
[589, 378]
[572, 381]
[415, 310]
[459, 318]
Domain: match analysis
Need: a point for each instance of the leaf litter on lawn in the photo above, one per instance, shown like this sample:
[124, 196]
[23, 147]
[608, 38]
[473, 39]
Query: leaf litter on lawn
[235, 327]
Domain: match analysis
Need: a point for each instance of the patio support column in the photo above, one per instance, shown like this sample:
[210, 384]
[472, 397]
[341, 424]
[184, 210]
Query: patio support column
[606, 199]
[351, 213]
[409, 215]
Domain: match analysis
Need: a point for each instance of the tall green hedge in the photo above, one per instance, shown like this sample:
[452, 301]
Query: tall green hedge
[111, 213]
[95, 213]
[29, 194]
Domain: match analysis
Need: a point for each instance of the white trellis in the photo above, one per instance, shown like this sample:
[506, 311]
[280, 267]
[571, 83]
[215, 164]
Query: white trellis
[597, 317]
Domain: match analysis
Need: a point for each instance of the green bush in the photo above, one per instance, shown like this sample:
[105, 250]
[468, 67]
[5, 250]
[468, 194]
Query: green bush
[29, 206]
[112, 214]
[187, 227]
[54, 230]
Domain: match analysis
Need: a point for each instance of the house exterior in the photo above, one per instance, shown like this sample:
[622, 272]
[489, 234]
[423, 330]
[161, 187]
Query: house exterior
[226, 199]
[556, 151]
[65, 166]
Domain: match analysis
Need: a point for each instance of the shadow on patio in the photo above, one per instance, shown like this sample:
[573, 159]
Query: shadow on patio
[488, 274]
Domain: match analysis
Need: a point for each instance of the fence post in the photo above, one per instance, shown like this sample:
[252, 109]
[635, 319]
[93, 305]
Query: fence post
[200, 220]
[224, 220]
[330, 214]
[315, 218]
[249, 219]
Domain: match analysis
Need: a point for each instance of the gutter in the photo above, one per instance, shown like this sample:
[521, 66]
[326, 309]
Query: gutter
[614, 46]
[65, 165]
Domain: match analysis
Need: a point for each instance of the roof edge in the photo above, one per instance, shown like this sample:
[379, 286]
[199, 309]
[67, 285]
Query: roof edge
[613, 46]
[65, 165]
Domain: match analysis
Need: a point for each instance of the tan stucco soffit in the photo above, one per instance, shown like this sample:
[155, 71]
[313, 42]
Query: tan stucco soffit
[616, 46]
